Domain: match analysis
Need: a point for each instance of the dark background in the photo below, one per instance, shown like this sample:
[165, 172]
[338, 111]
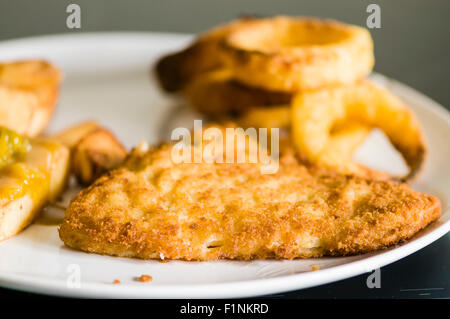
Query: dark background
[412, 46]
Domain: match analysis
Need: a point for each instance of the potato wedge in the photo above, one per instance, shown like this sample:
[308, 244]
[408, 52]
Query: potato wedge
[28, 93]
[30, 183]
[98, 152]
[71, 136]
[94, 149]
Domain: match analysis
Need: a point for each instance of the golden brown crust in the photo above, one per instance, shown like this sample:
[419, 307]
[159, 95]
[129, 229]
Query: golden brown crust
[266, 117]
[316, 112]
[153, 208]
[292, 54]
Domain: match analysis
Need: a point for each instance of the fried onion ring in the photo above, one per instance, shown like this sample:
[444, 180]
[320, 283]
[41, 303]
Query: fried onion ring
[315, 113]
[264, 117]
[345, 138]
[175, 70]
[294, 54]
[280, 116]
[216, 94]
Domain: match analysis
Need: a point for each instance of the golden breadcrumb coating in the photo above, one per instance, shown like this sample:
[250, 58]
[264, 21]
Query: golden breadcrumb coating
[153, 208]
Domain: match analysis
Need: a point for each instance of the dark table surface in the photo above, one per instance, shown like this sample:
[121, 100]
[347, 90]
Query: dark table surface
[411, 46]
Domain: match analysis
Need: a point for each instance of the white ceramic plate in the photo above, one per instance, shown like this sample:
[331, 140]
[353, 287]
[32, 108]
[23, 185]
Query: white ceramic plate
[107, 78]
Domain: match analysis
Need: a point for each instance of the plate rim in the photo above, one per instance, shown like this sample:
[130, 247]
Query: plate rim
[239, 288]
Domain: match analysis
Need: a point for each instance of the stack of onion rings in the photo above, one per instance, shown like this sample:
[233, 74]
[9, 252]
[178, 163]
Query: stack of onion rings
[300, 74]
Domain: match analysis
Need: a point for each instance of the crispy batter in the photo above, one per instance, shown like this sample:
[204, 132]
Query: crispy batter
[268, 117]
[217, 94]
[316, 113]
[154, 208]
[294, 53]
[175, 70]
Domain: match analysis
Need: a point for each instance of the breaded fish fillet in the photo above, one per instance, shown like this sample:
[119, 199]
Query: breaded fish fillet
[154, 208]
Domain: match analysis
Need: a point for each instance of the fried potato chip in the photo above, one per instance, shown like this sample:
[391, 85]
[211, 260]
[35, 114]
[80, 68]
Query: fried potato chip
[28, 93]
